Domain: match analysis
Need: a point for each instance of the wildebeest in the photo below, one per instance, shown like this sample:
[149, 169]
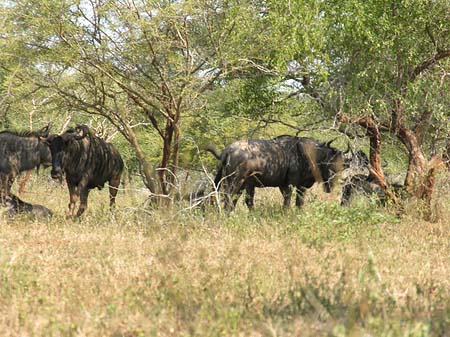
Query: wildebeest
[21, 151]
[15, 205]
[365, 184]
[283, 162]
[88, 162]
[359, 180]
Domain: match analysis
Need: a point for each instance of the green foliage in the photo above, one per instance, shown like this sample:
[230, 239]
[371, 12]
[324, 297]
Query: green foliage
[231, 70]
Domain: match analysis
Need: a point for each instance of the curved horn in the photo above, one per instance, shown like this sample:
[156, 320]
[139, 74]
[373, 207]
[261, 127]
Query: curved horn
[327, 144]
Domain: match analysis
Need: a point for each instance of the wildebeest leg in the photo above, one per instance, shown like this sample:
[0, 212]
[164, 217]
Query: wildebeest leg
[346, 194]
[286, 191]
[113, 189]
[73, 195]
[23, 181]
[300, 191]
[3, 187]
[6, 181]
[230, 199]
[83, 201]
[249, 196]
[232, 192]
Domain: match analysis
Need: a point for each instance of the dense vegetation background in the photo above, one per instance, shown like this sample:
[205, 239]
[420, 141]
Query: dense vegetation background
[162, 79]
[165, 77]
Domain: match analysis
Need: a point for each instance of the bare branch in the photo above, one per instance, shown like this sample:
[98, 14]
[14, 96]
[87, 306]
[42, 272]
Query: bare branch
[425, 65]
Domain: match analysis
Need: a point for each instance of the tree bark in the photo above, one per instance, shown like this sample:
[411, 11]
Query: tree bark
[375, 169]
[167, 149]
[147, 170]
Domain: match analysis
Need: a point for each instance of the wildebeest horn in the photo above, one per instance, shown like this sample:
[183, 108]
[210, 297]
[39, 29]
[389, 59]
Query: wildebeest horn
[327, 144]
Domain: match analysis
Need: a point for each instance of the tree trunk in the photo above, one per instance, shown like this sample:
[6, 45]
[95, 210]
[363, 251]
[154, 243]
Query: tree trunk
[167, 143]
[176, 147]
[417, 161]
[147, 170]
[374, 134]
[421, 175]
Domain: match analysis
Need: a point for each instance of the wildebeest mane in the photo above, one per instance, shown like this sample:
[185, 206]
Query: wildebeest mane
[23, 133]
[41, 133]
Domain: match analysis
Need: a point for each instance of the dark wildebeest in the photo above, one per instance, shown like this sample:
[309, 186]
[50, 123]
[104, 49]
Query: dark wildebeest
[283, 162]
[363, 184]
[15, 205]
[21, 151]
[88, 162]
[360, 181]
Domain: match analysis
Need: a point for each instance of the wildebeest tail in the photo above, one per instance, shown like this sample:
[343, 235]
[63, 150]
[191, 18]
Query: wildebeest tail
[212, 149]
[218, 177]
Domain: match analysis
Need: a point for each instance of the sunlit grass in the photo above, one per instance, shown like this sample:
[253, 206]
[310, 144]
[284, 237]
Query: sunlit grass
[320, 271]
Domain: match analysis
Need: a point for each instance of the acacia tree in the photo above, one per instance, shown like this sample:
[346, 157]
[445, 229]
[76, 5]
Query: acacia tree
[381, 65]
[136, 62]
[391, 65]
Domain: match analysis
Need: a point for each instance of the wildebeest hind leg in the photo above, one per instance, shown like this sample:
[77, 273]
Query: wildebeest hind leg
[300, 191]
[232, 192]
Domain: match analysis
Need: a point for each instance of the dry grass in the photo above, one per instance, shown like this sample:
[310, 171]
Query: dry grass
[322, 271]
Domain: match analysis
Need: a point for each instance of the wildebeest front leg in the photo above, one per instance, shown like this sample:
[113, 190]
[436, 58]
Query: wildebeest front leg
[4, 187]
[347, 191]
[286, 191]
[83, 201]
[249, 196]
[300, 192]
[73, 196]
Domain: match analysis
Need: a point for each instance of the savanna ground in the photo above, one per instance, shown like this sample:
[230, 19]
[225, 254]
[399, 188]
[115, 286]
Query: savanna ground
[320, 271]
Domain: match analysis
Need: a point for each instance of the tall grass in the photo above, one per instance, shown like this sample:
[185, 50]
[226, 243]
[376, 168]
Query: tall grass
[320, 271]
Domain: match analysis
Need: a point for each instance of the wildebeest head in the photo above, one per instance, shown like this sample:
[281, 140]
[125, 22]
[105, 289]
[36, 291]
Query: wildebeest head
[334, 164]
[59, 143]
[325, 162]
[356, 163]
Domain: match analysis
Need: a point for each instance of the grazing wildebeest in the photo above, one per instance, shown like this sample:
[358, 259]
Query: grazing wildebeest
[21, 151]
[360, 181]
[88, 162]
[283, 162]
[365, 184]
